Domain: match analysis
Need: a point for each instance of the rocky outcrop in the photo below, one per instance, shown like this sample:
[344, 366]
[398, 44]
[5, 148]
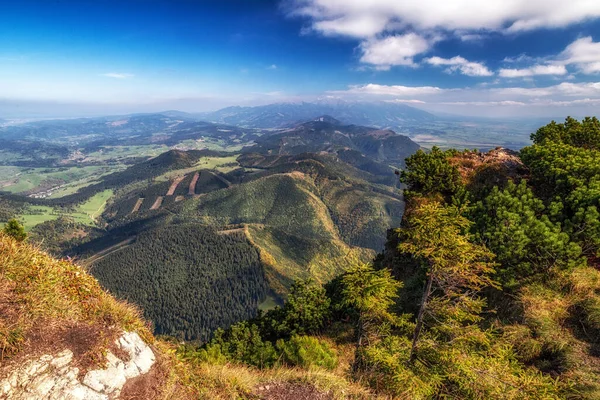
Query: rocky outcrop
[54, 376]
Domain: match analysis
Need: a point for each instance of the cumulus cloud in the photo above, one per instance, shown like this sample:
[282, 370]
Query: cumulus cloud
[462, 65]
[393, 50]
[361, 18]
[584, 53]
[533, 71]
[391, 32]
[118, 75]
[565, 94]
[389, 90]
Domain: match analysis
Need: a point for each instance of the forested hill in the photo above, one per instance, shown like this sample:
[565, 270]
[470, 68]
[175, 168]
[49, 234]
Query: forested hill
[490, 287]
[206, 249]
[329, 135]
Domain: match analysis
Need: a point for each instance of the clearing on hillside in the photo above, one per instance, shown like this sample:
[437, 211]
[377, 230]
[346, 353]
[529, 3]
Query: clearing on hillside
[137, 205]
[174, 185]
[157, 203]
[193, 184]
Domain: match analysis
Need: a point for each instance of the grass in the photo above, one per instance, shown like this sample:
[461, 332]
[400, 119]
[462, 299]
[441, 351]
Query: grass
[86, 213]
[89, 211]
[235, 381]
[29, 179]
[268, 304]
[117, 153]
[35, 215]
[71, 188]
[48, 291]
[218, 163]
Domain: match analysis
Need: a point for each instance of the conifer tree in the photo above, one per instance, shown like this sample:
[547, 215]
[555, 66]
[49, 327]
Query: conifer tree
[14, 229]
[455, 269]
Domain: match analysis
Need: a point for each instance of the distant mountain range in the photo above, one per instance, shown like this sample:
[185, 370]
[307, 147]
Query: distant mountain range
[327, 134]
[376, 114]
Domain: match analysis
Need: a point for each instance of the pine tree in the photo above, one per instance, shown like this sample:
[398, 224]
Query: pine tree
[14, 229]
[454, 267]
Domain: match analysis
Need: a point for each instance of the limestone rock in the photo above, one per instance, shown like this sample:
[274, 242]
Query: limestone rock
[53, 377]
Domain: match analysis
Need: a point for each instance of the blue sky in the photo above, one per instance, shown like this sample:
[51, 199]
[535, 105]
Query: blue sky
[492, 58]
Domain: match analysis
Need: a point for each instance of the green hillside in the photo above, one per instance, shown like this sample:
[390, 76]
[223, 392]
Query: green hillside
[188, 279]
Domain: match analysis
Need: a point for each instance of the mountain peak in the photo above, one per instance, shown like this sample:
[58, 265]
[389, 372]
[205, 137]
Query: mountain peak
[329, 119]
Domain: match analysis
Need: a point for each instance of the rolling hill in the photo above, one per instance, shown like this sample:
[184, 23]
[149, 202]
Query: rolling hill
[292, 217]
[326, 134]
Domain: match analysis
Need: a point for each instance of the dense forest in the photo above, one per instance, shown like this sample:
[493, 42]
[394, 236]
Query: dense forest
[488, 289]
[188, 279]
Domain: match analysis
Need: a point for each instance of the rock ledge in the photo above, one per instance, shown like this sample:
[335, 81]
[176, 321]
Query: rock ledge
[53, 377]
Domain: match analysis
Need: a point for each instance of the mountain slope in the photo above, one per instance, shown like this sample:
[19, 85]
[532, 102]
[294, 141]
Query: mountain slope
[63, 337]
[327, 135]
[285, 114]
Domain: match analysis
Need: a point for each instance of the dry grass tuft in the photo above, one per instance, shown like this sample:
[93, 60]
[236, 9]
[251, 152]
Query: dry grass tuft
[37, 287]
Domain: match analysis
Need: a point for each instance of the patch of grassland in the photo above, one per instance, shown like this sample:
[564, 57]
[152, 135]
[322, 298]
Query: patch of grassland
[219, 163]
[210, 144]
[35, 215]
[70, 189]
[89, 211]
[86, 213]
[124, 152]
[268, 304]
[31, 178]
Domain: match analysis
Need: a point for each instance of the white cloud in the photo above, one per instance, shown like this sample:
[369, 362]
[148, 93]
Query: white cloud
[118, 75]
[584, 53]
[272, 66]
[462, 65]
[533, 71]
[366, 18]
[563, 93]
[359, 26]
[503, 103]
[389, 90]
[406, 101]
[393, 50]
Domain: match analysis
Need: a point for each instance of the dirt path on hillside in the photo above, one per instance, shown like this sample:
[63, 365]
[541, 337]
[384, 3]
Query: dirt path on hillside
[174, 185]
[101, 254]
[291, 391]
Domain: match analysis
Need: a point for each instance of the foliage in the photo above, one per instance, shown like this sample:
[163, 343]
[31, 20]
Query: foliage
[526, 242]
[188, 279]
[565, 172]
[429, 173]
[307, 352]
[306, 311]
[279, 335]
[14, 229]
[585, 134]
[458, 269]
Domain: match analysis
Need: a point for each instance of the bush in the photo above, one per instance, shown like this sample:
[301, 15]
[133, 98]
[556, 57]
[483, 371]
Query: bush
[307, 352]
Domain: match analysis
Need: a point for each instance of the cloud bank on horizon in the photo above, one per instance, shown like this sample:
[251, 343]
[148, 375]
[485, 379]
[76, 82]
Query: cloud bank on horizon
[493, 57]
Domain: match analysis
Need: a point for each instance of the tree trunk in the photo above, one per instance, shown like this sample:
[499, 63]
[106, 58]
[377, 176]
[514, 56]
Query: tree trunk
[419, 325]
[356, 365]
